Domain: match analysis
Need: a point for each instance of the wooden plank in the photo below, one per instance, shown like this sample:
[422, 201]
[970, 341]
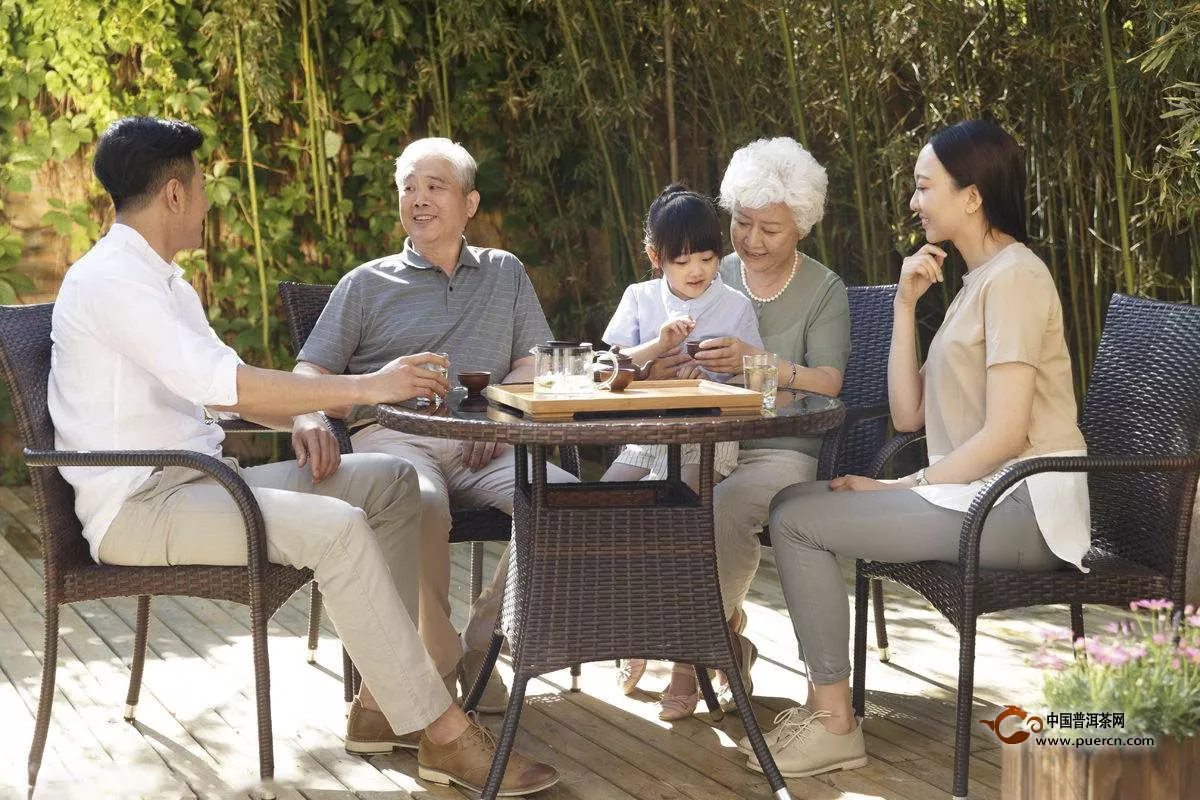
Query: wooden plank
[638, 396]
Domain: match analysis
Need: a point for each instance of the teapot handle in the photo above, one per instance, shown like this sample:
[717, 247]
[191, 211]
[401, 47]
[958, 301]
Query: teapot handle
[610, 359]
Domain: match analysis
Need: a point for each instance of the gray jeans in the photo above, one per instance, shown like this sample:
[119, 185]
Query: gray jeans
[811, 526]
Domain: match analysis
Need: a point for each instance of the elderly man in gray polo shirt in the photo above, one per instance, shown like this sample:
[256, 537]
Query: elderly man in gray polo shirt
[475, 304]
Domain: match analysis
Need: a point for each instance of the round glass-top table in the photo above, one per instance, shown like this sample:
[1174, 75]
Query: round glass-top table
[608, 570]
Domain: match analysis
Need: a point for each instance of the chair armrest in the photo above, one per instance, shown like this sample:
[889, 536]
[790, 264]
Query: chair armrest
[242, 426]
[218, 470]
[981, 506]
[891, 448]
[833, 444]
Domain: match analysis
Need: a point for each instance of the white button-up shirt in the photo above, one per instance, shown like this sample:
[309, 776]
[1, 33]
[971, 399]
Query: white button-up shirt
[133, 364]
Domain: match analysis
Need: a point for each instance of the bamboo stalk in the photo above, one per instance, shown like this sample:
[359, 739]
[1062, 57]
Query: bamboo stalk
[248, 153]
[620, 80]
[668, 57]
[597, 135]
[860, 188]
[1118, 145]
[785, 29]
[444, 70]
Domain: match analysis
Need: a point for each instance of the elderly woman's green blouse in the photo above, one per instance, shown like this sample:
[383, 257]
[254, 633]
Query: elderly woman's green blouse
[808, 324]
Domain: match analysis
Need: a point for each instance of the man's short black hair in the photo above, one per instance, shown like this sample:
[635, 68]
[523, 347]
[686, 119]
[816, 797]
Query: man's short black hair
[136, 156]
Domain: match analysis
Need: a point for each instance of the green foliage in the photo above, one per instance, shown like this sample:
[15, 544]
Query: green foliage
[563, 104]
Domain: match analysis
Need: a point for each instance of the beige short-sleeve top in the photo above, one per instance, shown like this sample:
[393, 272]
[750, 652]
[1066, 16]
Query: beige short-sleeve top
[1007, 311]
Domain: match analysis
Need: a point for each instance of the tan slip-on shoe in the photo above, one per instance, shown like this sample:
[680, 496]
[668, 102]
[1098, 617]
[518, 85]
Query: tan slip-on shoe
[368, 733]
[629, 673]
[805, 748]
[467, 760]
[494, 699]
[746, 654]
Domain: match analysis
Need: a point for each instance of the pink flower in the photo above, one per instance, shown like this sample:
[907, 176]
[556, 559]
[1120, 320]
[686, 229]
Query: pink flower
[1194, 620]
[1160, 638]
[1175, 664]
[1152, 605]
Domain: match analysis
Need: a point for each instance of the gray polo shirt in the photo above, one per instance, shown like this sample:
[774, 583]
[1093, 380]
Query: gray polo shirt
[485, 317]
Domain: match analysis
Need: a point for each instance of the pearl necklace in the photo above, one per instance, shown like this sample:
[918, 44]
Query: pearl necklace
[777, 295]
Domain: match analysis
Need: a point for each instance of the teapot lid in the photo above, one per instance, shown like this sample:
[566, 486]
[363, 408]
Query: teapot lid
[558, 346]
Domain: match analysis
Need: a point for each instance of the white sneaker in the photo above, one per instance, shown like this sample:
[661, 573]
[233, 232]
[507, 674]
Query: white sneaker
[784, 719]
[803, 747]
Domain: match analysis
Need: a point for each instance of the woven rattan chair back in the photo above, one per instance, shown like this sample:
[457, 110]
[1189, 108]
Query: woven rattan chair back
[865, 381]
[25, 362]
[302, 307]
[1143, 399]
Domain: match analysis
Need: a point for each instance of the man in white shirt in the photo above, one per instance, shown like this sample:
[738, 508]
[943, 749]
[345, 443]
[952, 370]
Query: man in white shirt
[135, 365]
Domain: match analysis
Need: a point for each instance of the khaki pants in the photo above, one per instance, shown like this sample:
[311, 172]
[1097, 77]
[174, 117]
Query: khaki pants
[741, 505]
[446, 483]
[348, 529]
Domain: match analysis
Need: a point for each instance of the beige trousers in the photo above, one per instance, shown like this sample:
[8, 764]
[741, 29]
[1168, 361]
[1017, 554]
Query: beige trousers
[348, 529]
[446, 483]
[741, 506]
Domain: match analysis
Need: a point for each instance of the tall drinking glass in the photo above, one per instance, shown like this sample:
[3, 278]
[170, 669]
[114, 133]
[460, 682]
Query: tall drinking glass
[762, 375]
[444, 371]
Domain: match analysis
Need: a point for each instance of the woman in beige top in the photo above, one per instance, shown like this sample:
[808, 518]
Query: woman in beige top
[995, 388]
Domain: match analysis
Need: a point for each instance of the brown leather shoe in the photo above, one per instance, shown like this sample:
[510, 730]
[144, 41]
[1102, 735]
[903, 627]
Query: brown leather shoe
[368, 733]
[468, 758]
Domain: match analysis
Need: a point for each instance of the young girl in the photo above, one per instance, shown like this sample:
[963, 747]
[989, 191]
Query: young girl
[689, 302]
[654, 319]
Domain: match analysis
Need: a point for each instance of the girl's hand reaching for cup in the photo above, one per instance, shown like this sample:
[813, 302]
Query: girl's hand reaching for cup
[918, 272]
[673, 333]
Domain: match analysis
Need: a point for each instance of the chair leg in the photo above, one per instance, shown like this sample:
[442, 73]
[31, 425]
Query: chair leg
[576, 672]
[1076, 621]
[139, 656]
[476, 570]
[41, 728]
[966, 692]
[485, 673]
[881, 637]
[710, 696]
[861, 592]
[347, 677]
[314, 621]
[754, 733]
[508, 731]
[262, 690]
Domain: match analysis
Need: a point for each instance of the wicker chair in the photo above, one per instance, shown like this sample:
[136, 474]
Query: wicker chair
[852, 448]
[70, 573]
[302, 307]
[1141, 419]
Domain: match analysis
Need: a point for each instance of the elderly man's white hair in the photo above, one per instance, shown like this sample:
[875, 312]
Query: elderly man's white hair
[776, 170]
[462, 163]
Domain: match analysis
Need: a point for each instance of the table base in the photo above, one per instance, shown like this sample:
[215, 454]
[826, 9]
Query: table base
[612, 570]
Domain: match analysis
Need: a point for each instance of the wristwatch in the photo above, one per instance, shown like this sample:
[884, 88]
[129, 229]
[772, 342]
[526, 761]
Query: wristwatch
[920, 478]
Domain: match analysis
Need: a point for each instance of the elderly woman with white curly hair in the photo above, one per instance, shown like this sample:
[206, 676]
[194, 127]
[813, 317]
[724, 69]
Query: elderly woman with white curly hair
[775, 192]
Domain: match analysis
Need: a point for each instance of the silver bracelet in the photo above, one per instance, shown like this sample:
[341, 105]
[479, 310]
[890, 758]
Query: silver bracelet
[792, 380]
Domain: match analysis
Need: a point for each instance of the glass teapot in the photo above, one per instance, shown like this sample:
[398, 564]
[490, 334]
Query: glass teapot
[564, 369]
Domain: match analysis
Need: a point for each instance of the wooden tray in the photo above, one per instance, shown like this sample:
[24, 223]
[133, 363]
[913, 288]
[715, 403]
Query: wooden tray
[697, 397]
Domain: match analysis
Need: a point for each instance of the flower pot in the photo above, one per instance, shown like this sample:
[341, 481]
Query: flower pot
[1170, 771]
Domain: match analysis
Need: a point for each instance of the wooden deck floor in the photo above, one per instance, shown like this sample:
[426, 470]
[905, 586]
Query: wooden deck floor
[195, 735]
